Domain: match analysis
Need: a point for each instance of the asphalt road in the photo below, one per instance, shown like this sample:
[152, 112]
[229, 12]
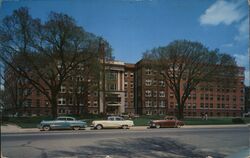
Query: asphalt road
[118, 143]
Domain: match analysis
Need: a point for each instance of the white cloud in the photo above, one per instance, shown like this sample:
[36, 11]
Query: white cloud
[243, 60]
[222, 12]
[247, 78]
[227, 45]
[243, 30]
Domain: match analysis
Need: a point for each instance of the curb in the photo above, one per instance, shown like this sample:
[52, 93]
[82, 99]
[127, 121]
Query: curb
[16, 129]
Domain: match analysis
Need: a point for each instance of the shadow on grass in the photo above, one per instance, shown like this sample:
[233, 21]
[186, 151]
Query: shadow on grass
[139, 148]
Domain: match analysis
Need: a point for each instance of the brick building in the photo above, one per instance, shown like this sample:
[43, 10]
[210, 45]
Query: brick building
[134, 88]
[154, 97]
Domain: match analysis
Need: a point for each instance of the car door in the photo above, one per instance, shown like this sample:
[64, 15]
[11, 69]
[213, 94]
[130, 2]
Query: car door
[118, 122]
[70, 122]
[59, 123]
[112, 122]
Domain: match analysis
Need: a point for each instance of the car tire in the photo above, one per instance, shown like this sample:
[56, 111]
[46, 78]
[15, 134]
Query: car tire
[158, 126]
[46, 128]
[124, 126]
[76, 128]
[98, 127]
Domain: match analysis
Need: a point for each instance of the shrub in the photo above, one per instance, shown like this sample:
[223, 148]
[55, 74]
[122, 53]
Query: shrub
[238, 121]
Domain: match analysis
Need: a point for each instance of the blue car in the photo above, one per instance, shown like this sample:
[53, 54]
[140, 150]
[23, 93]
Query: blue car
[63, 122]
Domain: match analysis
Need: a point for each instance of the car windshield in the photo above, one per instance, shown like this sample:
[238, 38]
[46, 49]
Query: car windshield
[61, 119]
[119, 118]
[70, 119]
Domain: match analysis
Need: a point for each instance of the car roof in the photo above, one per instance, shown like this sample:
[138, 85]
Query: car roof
[65, 117]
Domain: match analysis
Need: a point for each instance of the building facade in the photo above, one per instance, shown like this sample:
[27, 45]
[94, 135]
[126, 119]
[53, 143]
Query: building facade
[154, 97]
[133, 89]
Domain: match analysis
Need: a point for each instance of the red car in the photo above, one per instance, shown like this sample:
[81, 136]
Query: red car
[169, 121]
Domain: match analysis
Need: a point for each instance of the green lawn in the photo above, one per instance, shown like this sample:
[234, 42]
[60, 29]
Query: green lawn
[32, 122]
[210, 121]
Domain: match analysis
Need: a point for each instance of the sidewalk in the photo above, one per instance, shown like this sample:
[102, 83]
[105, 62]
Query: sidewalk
[15, 129]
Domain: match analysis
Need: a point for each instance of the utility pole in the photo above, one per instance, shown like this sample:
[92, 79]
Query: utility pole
[102, 58]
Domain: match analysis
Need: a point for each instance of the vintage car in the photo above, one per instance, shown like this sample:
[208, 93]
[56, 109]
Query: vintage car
[169, 121]
[112, 122]
[62, 122]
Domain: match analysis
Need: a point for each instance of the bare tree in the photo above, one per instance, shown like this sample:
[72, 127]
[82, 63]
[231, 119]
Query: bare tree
[185, 64]
[15, 93]
[51, 51]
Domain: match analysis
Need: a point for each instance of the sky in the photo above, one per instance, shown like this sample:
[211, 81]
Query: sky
[134, 26]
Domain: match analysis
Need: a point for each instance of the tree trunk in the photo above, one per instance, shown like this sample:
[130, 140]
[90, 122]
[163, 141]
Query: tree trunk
[54, 106]
[180, 111]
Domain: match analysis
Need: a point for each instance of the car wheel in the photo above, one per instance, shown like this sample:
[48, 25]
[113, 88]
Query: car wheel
[158, 126]
[124, 126]
[76, 128]
[46, 128]
[98, 127]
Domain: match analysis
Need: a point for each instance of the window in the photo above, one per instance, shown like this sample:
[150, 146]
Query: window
[61, 118]
[126, 74]
[234, 98]
[61, 101]
[154, 104]
[162, 103]
[148, 71]
[28, 103]
[119, 119]
[162, 94]
[70, 101]
[218, 106]
[112, 87]
[218, 97]
[125, 84]
[131, 95]
[241, 98]
[171, 95]
[162, 83]
[126, 104]
[202, 96]
[148, 103]
[206, 105]
[206, 96]
[63, 89]
[155, 93]
[131, 74]
[194, 106]
[70, 119]
[46, 103]
[70, 89]
[211, 97]
[38, 103]
[222, 97]
[211, 105]
[222, 105]
[234, 89]
[131, 84]
[148, 93]
[202, 105]
[112, 75]
[148, 82]
[38, 92]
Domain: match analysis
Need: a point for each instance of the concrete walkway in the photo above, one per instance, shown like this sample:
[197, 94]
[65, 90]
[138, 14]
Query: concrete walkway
[16, 129]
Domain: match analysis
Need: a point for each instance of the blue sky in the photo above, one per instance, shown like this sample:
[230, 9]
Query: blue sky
[134, 26]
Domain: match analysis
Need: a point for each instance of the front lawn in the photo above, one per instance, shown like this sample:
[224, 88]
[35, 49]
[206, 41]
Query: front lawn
[32, 122]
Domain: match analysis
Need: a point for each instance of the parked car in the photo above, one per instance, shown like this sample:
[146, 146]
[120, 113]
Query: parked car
[169, 121]
[112, 122]
[62, 122]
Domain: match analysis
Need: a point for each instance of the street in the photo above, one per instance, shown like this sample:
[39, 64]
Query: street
[167, 142]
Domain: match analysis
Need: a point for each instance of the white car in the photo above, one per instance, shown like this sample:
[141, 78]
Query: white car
[112, 122]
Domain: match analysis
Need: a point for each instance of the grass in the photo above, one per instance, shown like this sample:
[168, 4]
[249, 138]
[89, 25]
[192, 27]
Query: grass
[32, 122]
[210, 121]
